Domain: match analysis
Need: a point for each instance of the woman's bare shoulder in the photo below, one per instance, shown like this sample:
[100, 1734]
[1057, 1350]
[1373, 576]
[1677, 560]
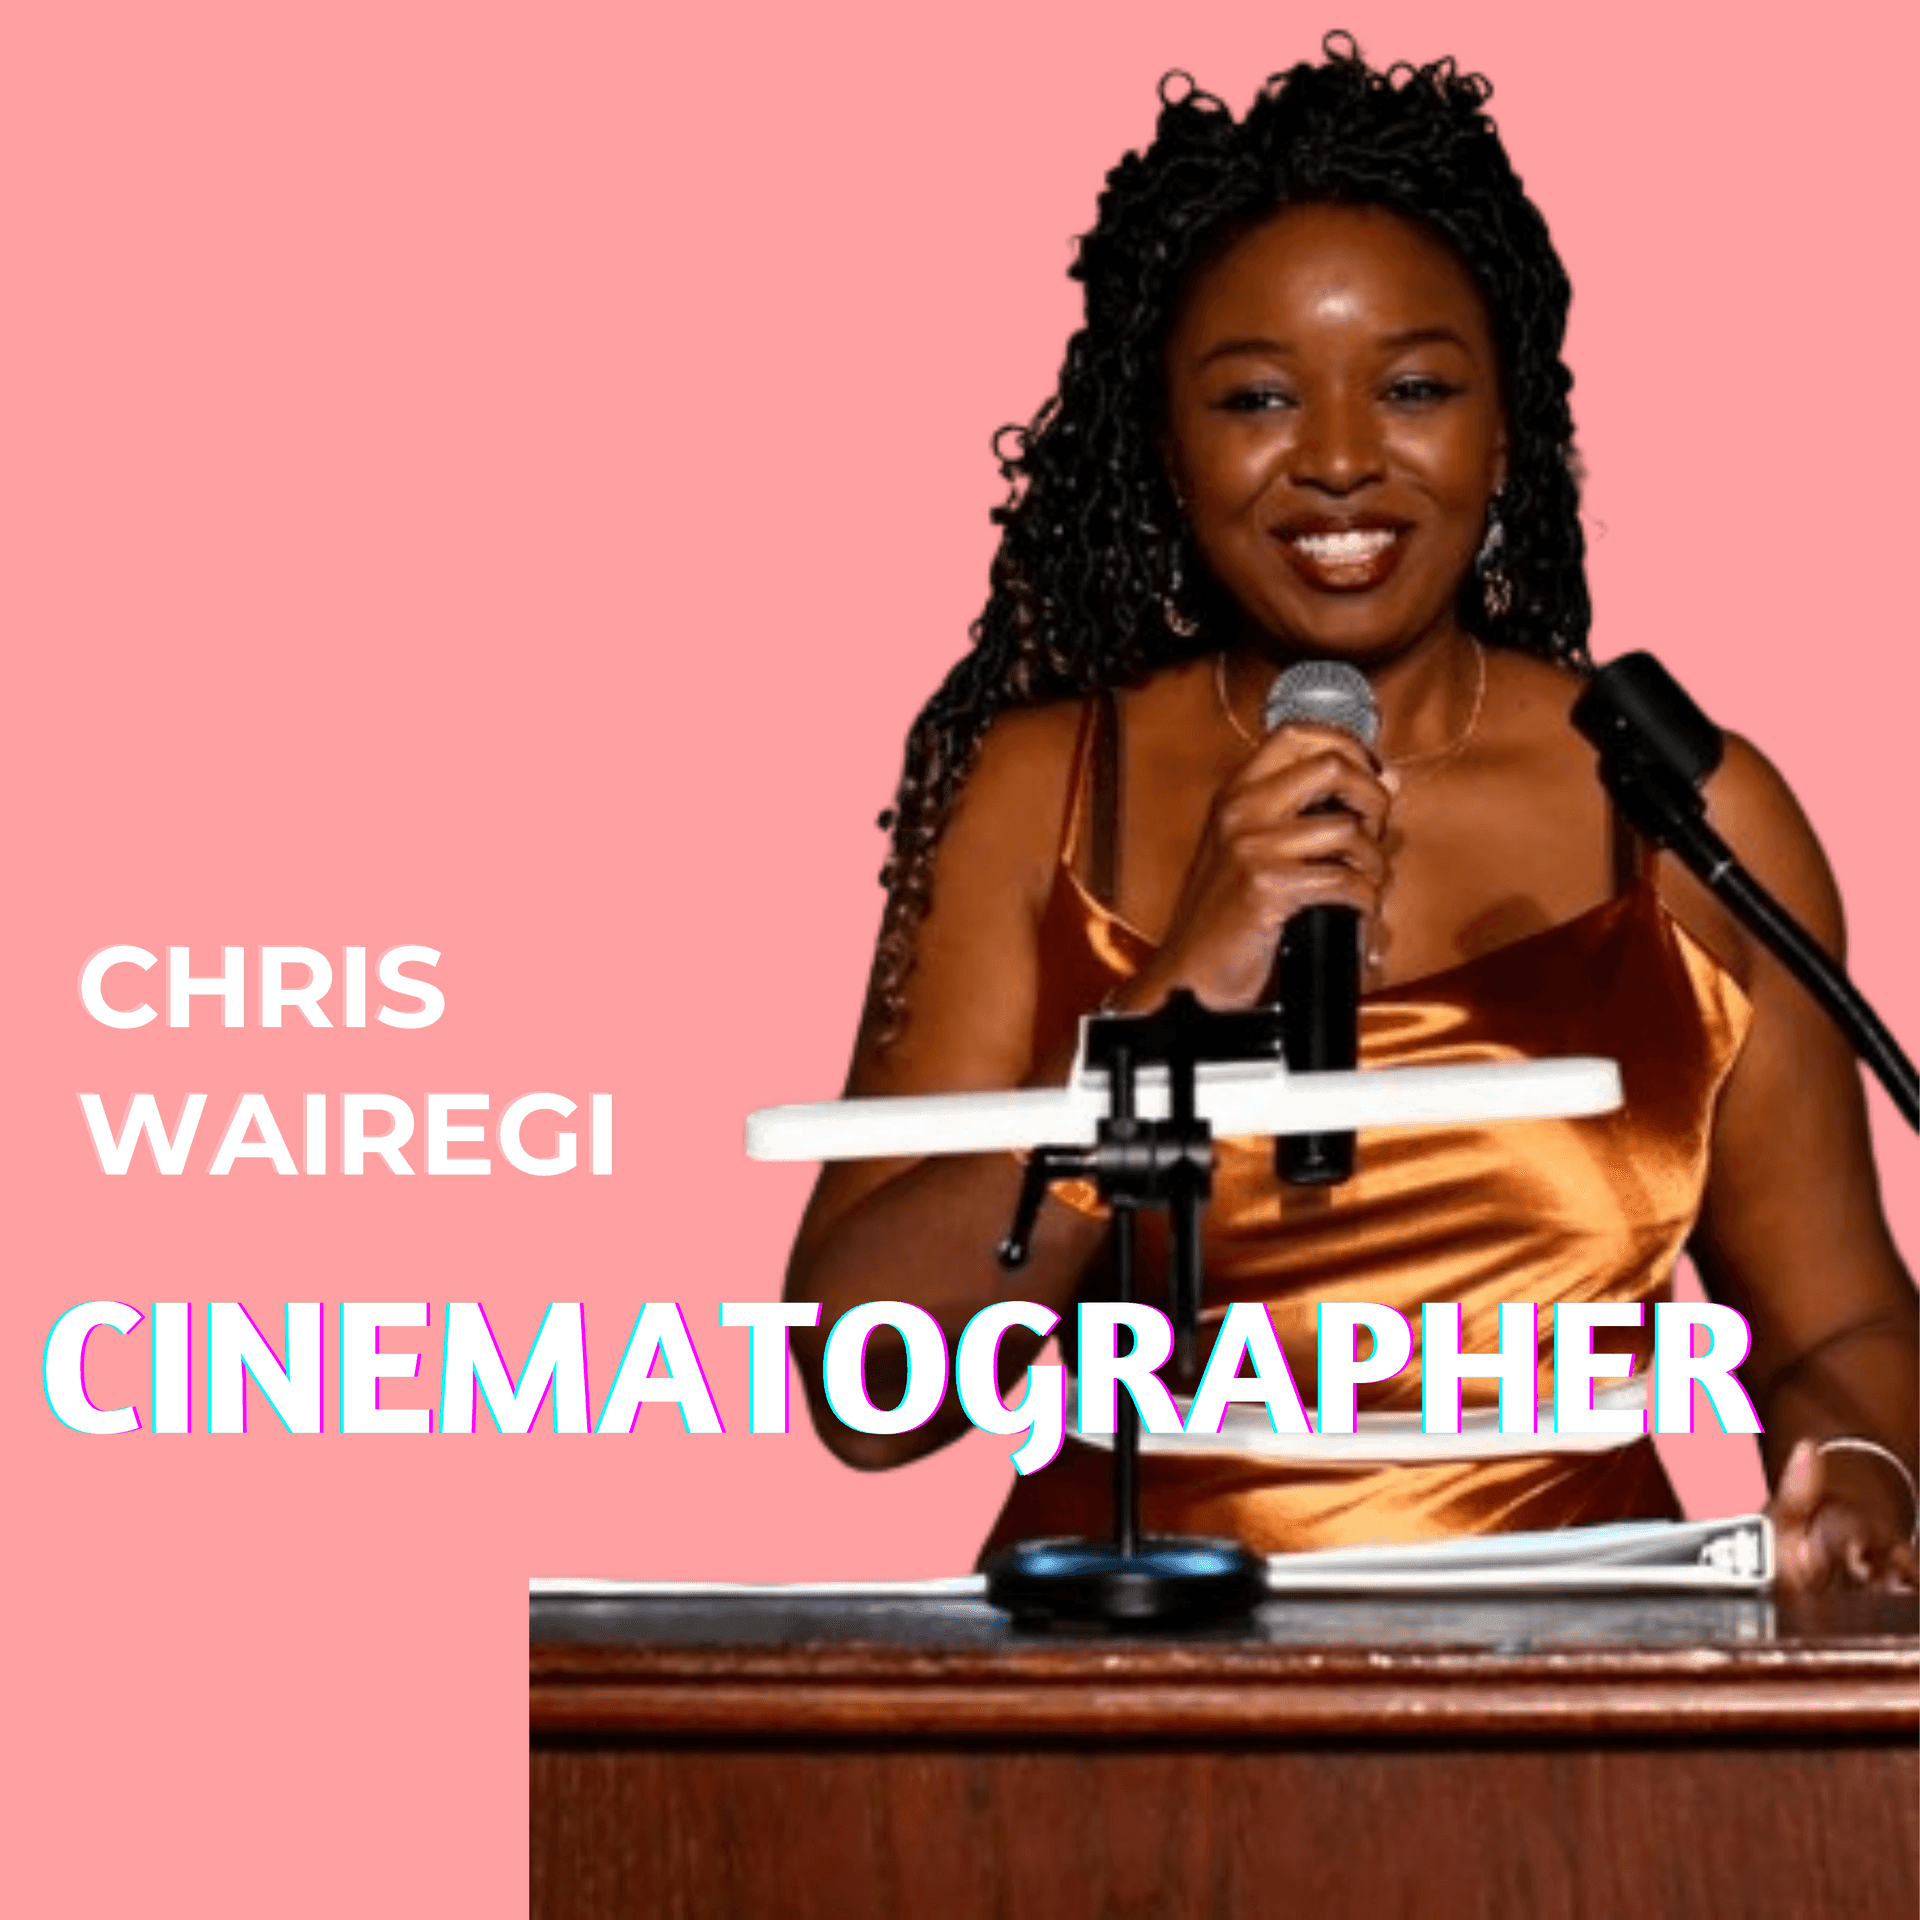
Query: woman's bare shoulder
[1009, 812]
[1749, 804]
[1536, 696]
[1753, 809]
[1526, 726]
[1026, 752]
[965, 1016]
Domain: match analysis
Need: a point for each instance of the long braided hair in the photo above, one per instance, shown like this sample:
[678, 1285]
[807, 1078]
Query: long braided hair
[1092, 546]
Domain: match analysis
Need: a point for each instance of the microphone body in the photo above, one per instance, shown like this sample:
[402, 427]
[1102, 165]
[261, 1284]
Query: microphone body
[1316, 982]
[1315, 979]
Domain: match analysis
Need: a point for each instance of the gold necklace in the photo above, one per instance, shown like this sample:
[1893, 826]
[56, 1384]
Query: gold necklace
[1436, 757]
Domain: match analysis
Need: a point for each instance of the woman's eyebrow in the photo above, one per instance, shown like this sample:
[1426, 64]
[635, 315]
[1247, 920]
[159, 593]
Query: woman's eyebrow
[1251, 344]
[1425, 337]
[1396, 342]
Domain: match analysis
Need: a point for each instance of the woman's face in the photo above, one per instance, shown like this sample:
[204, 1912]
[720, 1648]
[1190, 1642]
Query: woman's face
[1334, 427]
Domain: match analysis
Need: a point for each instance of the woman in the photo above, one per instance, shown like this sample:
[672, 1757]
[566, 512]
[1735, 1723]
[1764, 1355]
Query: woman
[1318, 411]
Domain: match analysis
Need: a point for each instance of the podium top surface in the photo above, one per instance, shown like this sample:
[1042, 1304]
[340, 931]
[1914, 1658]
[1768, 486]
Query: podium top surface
[1623, 1667]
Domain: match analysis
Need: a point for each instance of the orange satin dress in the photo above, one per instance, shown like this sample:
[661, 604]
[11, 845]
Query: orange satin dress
[1543, 1211]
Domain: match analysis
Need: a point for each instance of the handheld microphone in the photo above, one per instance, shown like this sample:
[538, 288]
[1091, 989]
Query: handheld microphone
[1316, 969]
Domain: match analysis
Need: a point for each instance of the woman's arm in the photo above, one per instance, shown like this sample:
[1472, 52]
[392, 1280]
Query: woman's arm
[1792, 1233]
[925, 1231]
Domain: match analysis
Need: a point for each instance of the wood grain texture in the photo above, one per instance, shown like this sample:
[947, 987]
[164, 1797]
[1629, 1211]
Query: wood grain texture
[1163, 1834]
[1594, 1760]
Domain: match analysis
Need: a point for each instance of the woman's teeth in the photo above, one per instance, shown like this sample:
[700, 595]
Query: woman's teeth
[1350, 548]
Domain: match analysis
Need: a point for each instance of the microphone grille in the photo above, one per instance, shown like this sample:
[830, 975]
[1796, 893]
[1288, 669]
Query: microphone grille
[1329, 693]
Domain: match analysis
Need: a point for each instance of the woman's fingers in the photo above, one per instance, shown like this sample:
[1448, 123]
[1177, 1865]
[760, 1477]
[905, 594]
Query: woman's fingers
[1858, 1561]
[1853, 1552]
[1302, 824]
[1801, 1485]
[1801, 1549]
[1315, 861]
[1300, 739]
[1823, 1541]
[1328, 838]
[1804, 1564]
[1307, 768]
[1903, 1568]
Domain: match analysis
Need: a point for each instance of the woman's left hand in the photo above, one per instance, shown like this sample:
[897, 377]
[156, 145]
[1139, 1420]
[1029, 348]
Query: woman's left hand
[1841, 1520]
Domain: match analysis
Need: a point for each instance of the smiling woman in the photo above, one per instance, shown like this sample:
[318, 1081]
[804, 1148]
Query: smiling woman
[1334, 427]
[1318, 411]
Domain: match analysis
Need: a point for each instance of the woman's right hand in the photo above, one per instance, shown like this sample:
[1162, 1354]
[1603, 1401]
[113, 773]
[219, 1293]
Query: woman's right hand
[1302, 824]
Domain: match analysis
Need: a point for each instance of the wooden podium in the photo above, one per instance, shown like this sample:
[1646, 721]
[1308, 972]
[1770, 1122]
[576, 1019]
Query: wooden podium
[766, 1756]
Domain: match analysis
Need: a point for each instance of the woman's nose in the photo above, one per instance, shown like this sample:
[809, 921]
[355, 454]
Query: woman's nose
[1338, 448]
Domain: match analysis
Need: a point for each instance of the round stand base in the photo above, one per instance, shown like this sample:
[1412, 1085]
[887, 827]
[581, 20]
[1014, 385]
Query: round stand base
[1163, 1583]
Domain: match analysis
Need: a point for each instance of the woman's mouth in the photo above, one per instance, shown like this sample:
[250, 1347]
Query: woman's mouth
[1345, 559]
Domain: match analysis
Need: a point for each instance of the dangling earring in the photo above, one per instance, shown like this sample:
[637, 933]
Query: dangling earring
[1180, 622]
[1496, 584]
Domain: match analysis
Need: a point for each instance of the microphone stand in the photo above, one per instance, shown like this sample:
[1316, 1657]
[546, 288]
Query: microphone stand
[1655, 746]
[1131, 1580]
[1134, 1580]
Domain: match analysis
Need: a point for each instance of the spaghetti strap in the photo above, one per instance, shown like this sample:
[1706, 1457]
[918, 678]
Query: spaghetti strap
[1627, 852]
[1103, 840]
[1077, 786]
[1093, 799]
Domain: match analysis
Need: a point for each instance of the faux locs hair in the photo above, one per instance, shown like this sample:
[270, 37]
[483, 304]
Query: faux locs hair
[1092, 543]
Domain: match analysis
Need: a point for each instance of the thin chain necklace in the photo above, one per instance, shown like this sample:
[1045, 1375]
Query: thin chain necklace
[1423, 761]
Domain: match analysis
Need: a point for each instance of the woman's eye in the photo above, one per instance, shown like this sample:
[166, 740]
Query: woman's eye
[1254, 400]
[1420, 390]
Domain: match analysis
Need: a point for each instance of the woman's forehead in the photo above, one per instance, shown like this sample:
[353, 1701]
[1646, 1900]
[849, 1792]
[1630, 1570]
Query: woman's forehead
[1333, 265]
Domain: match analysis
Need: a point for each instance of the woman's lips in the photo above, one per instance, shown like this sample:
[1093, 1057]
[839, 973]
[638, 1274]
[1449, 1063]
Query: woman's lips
[1347, 559]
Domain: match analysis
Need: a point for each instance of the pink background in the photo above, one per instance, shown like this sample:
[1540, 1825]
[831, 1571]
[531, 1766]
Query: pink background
[502, 478]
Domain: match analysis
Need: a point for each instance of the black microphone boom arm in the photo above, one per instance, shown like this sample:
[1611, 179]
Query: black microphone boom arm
[1656, 747]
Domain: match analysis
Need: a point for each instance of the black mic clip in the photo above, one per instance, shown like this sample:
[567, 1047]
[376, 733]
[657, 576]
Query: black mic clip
[1661, 806]
[1657, 749]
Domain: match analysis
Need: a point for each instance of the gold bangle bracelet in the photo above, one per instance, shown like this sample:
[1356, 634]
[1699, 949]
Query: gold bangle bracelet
[1855, 1443]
